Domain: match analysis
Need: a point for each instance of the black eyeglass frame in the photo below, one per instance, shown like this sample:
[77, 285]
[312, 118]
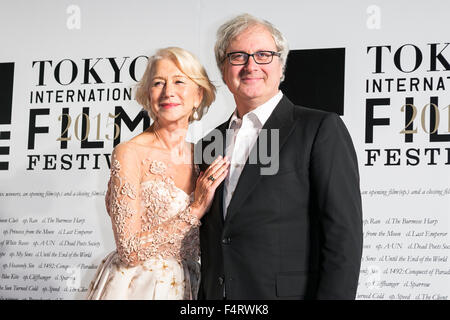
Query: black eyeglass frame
[248, 55]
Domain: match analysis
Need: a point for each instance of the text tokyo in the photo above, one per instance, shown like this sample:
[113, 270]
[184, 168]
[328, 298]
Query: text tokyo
[89, 71]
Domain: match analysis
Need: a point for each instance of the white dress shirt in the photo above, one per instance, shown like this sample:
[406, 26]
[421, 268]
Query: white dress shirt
[241, 136]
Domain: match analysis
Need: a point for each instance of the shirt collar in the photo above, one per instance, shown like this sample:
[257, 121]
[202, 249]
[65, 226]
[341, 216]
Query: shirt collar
[262, 112]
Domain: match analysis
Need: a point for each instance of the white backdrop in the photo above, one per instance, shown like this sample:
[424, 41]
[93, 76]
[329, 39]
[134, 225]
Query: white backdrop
[54, 229]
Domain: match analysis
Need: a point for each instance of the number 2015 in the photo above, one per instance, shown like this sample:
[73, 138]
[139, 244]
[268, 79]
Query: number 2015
[86, 132]
[422, 118]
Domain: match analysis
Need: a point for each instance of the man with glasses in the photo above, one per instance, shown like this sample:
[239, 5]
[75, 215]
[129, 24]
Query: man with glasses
[293, 234]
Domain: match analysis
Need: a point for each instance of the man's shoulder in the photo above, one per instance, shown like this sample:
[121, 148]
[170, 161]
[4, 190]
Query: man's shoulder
[316, 120]
[310, 113]
[312, 119]
[304, 113]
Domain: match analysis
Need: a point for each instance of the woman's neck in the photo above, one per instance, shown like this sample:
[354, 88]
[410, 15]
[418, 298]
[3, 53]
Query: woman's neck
[171, 137]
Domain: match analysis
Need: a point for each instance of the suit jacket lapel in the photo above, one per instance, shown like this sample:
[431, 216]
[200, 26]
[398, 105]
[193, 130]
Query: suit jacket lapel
[282, 119]
[217, 204]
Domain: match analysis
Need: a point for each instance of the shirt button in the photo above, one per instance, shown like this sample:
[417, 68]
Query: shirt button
[226, 240]
[221, 281]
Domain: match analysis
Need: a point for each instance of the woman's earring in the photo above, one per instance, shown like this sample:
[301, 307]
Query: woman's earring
[195, 114]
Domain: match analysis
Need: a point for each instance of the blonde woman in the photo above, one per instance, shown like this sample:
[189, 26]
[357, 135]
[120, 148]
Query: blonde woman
[156, 195]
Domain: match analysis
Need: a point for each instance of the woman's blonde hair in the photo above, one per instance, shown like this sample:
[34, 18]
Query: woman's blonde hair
[190, 66]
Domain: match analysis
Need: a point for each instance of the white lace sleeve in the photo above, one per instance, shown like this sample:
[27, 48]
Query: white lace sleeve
[122, 202]
[141, 225]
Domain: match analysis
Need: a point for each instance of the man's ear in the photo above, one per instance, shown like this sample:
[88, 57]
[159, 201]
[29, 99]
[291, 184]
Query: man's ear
[222, 72]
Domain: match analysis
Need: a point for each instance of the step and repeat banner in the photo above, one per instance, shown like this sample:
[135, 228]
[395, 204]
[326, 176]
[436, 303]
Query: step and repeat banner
[68, 71]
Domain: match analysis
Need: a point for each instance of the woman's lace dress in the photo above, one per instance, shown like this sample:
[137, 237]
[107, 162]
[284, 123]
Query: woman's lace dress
[156, 235]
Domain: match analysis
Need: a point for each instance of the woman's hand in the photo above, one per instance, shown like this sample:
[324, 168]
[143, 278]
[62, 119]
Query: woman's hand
[206, 185]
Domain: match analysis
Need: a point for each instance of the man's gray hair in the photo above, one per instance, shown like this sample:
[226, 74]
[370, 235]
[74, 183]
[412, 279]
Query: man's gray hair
[232, 28]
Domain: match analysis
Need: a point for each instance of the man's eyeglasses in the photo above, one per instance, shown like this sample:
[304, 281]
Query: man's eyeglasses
[240, 58]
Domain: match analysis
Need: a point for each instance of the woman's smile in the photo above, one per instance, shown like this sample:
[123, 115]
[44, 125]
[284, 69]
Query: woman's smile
[169, 105]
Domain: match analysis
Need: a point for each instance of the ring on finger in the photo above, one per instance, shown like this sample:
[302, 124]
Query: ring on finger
[211, 178]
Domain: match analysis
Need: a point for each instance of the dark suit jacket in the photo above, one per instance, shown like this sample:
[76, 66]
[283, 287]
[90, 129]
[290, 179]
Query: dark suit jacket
[293, 235]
